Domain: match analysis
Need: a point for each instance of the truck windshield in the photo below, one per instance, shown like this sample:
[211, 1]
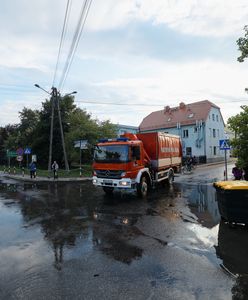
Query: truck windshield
[111, 153]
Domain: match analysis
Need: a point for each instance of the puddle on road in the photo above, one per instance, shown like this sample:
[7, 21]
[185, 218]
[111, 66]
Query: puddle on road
[59, 223]
[202, 203]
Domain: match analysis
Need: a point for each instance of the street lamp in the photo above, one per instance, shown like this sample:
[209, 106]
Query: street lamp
[74, 92]
[39, 87]
[55, 101]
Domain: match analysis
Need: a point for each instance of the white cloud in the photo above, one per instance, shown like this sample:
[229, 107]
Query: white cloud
[196, 17]
[30, 36]
[188, 82]
[9, 109]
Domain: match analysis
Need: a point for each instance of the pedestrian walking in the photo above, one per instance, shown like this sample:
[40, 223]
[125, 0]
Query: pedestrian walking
[32, 169]
[55, 168]
[237, 172]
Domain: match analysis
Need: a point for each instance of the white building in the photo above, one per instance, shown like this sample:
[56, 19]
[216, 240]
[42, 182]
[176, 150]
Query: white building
[200, 126]
[121, 129]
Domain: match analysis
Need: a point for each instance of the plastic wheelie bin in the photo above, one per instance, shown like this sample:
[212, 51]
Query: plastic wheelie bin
[232, 198]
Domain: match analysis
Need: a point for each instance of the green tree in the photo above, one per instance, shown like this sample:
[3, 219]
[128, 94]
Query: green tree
[242, 43]
[28, 123]
[42, 132]
[83, 127]
[34, 131]
[13, 138]
[238, 124]
[4, 134]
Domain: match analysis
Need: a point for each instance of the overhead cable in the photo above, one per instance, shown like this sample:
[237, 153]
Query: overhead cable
[76, 37]
[62, 38]
[142, 104]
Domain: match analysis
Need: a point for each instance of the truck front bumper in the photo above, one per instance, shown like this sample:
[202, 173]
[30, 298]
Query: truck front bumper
[124, 183]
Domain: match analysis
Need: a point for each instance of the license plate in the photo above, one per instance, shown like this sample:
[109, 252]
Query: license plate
[108, 182]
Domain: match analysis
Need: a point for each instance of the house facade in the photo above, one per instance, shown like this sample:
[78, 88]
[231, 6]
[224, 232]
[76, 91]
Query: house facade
[121, 129]
[200, 126]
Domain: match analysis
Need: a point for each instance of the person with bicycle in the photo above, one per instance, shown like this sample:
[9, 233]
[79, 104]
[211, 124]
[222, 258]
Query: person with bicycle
[189, 163]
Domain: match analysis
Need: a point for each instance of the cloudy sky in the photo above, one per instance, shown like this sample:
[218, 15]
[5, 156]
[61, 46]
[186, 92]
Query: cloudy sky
[134, 56]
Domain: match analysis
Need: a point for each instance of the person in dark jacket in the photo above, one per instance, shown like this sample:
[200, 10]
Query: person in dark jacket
[32, 168]
[237, 172]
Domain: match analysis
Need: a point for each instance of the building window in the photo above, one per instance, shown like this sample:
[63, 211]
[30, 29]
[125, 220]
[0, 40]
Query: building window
[185, 133]
[213, 117]
[214, 133]
[210, 132]
[214, 150]
[217, 118]
[188, 151]
[195, 129]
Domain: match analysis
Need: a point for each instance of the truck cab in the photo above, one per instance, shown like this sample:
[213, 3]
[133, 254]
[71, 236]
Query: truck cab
[117, 163]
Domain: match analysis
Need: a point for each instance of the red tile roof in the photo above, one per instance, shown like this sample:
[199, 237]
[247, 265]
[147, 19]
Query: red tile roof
[185, 114]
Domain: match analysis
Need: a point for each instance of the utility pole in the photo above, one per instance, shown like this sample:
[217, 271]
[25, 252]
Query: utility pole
[51, 131]
[61, 128]
[55, 99]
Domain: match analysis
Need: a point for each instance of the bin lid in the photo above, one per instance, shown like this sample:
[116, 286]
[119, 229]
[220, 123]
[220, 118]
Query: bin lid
[232, 185]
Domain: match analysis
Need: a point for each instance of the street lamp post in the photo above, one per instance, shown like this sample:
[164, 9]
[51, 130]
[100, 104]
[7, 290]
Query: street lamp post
[55, 102]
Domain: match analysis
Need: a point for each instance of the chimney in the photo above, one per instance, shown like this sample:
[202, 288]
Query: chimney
[182, 105]
[167, 109]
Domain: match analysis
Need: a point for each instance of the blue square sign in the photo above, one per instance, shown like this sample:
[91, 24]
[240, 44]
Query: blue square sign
[224, 145]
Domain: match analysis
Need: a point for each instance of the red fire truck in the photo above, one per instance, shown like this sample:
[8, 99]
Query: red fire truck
[136, 161]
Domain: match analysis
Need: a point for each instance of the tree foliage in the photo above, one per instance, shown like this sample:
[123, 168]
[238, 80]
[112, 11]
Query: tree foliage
[239, 125]
[83, 127]
[242, 43]
[34, 131]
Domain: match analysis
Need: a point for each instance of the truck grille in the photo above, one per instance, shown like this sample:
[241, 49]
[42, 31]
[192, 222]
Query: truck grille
[113, 174]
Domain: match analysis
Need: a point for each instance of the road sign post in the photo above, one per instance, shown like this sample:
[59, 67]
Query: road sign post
[81, 144]
[27, 151]
[224, 145]
[11, 154]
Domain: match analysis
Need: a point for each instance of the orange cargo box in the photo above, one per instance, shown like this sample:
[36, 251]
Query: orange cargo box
[164, 149]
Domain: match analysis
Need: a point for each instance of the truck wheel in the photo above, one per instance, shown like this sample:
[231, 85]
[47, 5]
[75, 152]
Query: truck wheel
[108, 190]
[142, 187]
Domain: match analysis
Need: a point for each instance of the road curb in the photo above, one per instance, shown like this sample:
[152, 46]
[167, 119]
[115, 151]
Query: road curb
[45, 179]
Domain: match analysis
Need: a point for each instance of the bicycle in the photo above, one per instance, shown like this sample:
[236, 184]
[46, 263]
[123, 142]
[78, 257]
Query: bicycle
[187, 169]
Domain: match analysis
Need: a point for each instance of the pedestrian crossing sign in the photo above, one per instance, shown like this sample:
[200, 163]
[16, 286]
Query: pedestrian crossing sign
[224, 145]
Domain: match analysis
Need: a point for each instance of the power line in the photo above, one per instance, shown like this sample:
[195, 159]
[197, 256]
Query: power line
[63, 34]
[75, 40]
[111, 103]
[141, 104]
[74, 51]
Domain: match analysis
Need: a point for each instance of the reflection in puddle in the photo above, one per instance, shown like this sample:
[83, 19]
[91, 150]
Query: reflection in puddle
[202, 202]
[67, 214]
[233, 249]
[72, 229]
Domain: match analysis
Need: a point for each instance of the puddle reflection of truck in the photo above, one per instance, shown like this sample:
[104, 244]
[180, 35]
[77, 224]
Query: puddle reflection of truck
[136, 162]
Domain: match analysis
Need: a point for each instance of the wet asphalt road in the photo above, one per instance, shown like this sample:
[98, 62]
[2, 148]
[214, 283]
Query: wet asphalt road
[70, 241]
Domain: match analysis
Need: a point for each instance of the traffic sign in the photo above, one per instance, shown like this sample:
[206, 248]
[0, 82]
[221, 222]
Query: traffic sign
[224, 145]
[19, 151]
[11, 153]
[81, 144]
[27, 150]
[19, 158]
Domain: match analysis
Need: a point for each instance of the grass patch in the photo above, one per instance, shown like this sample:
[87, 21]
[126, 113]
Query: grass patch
[73, 173]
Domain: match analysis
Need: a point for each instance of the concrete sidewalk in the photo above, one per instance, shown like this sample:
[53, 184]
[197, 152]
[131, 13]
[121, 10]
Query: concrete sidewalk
[27, 178]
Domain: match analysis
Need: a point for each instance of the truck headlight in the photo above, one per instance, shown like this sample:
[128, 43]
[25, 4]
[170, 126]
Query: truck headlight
[94, 181]
[124, 183]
